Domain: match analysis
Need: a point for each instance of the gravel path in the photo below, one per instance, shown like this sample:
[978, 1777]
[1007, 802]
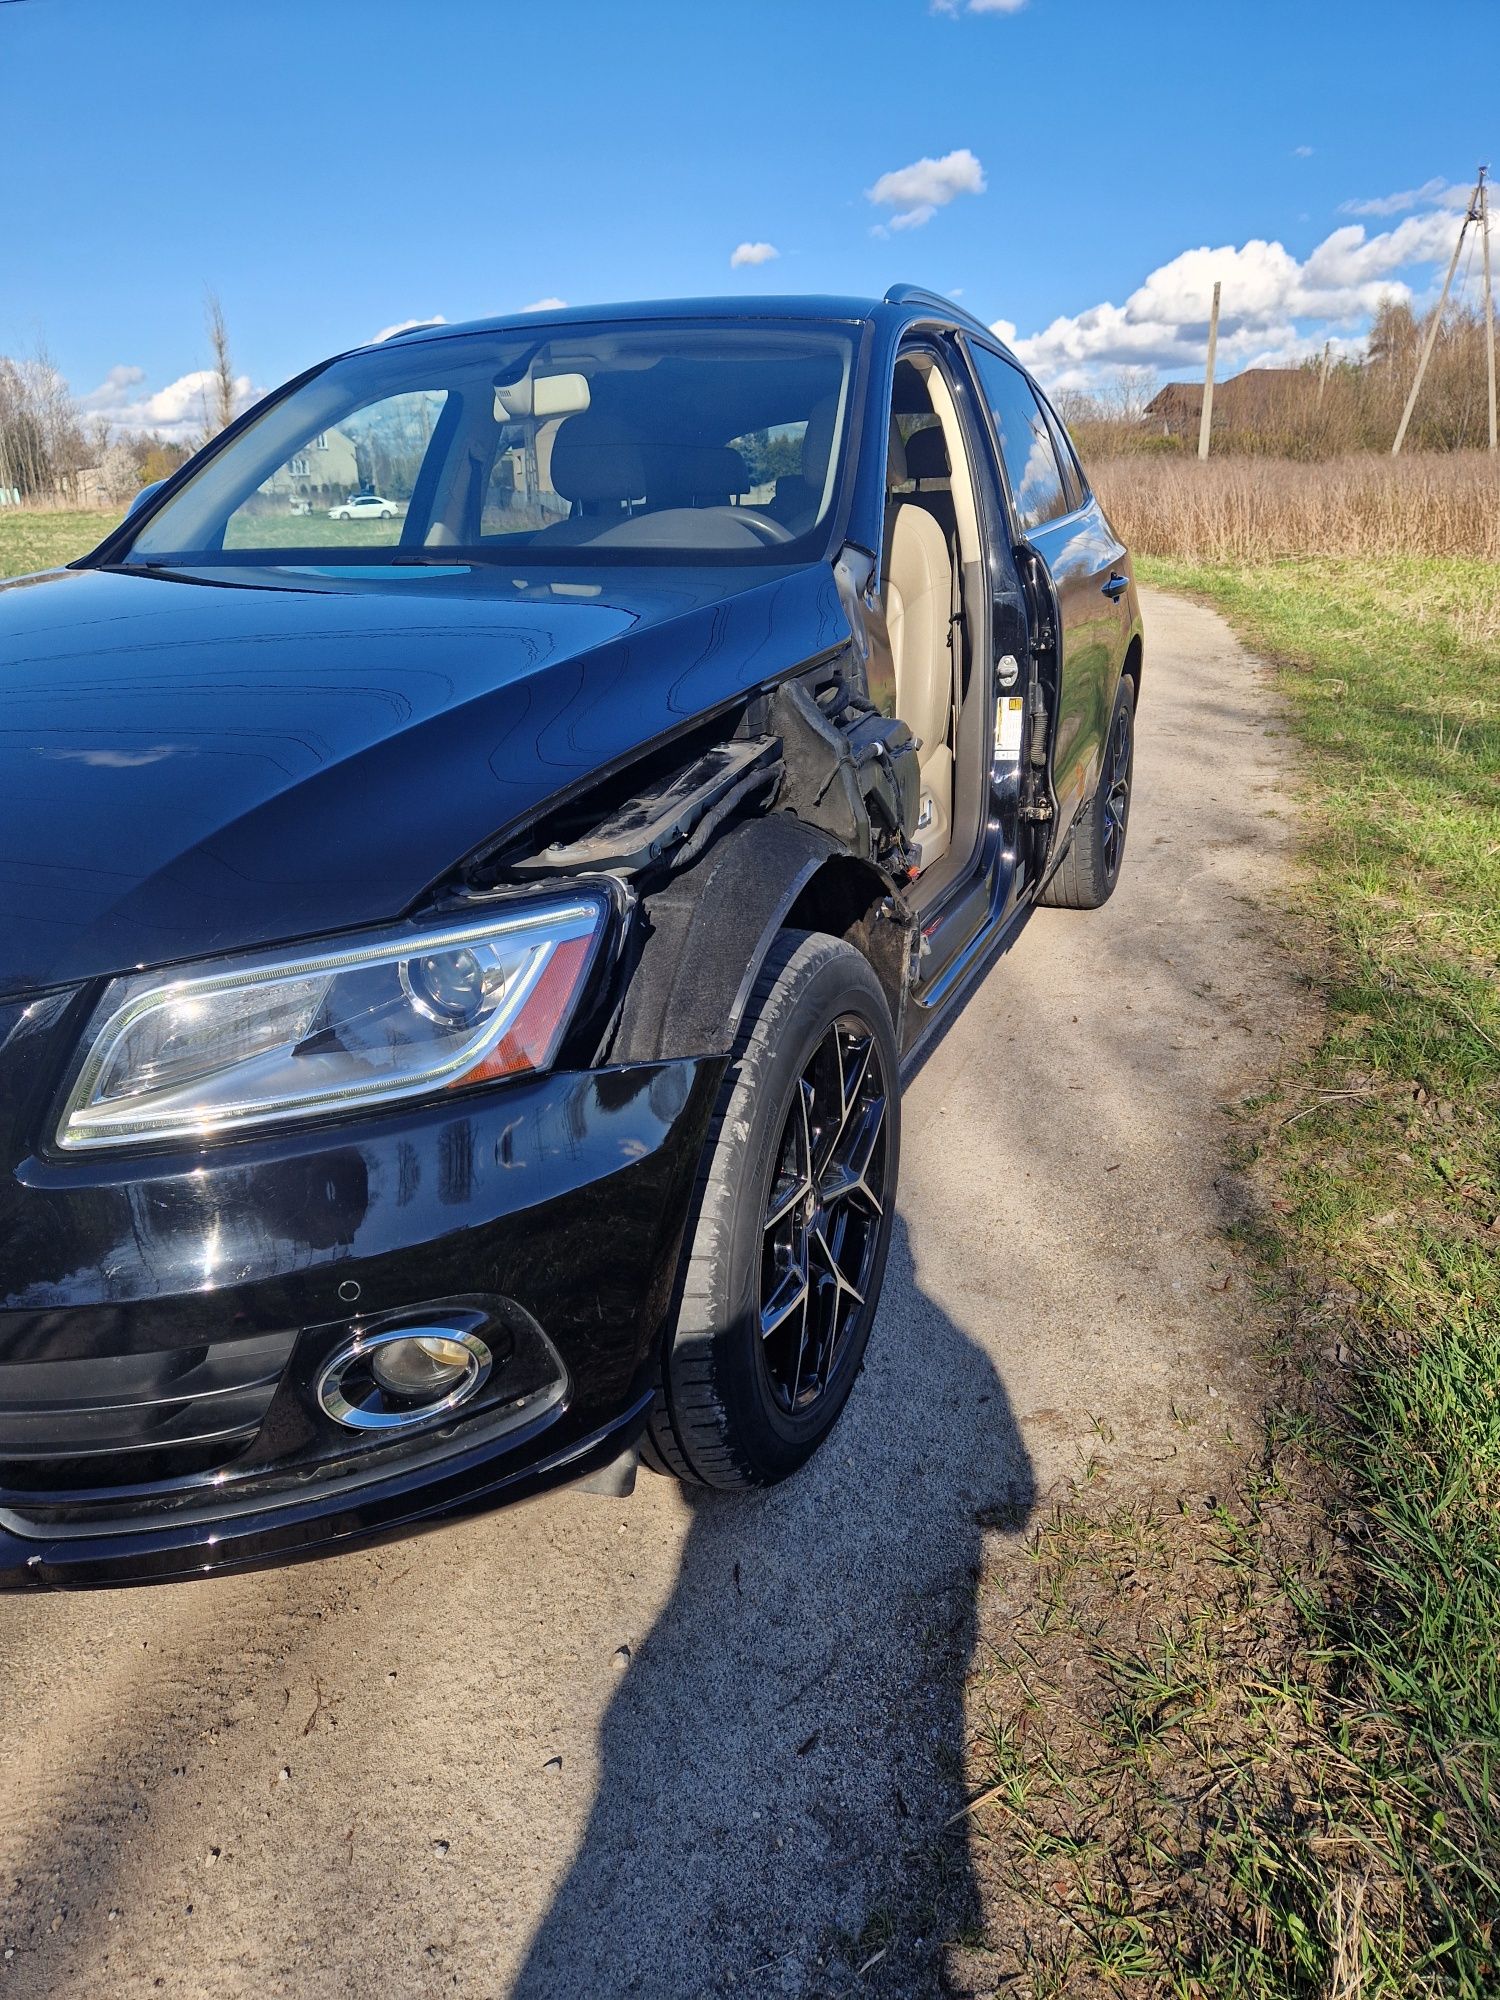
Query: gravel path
[672, 1745]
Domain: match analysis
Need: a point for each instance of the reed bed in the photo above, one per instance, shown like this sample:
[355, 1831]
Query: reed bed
[1262, 509]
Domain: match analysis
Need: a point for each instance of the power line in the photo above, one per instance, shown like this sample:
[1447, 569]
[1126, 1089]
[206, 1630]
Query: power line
[1478, 206]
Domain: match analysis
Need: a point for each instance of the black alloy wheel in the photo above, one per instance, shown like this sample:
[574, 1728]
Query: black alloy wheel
[1086, 876]
[822, 1227]
[786, 1254]
[1116, 800]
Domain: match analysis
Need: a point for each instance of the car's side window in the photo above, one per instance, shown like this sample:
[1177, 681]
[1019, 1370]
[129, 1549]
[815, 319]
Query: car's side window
[1072, 469]
[1031, 463]
[1072, 475]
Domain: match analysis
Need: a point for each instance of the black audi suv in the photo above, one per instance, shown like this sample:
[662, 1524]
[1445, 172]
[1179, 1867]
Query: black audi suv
[458, 963]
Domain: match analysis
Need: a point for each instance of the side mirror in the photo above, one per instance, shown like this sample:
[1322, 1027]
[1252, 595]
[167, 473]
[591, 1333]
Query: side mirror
[143, 496]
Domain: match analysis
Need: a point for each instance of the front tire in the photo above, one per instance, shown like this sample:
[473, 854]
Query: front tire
[786, 1256]
[1085, 878]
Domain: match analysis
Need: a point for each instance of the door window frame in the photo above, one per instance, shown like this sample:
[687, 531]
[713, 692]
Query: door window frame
[941, 343]
[1067, 457]
[1061, 444]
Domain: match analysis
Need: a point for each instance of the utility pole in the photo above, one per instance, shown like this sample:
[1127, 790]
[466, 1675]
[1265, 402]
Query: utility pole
[1205, 422]
[1489, 296]
[1323, 370]
[1471, 214]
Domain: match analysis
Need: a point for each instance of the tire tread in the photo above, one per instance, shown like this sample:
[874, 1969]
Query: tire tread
[688, 1432]
[1079, 881]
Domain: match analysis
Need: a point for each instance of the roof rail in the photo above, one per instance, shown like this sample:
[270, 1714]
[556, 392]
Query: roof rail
[919, 295]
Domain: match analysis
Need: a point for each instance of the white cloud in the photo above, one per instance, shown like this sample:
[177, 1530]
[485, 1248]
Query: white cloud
[1274, 307]
[1302, 152]
[978, 6]
[752, 253]
[544, 306]
[917, 192]
[179, 412]
[405, 326]
[116, 384]
[1429, 193]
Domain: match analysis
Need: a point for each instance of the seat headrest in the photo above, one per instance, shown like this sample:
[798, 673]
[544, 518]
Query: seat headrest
[896, 473]
[594, 460]
[909, 394]
[685, 475]
[927, 455]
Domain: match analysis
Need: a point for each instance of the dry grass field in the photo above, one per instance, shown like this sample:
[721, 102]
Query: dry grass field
[1238, 510]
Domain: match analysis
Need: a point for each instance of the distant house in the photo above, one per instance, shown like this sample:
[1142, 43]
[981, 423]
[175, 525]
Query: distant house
[1251, 400]
[88, 486]
[325, 470]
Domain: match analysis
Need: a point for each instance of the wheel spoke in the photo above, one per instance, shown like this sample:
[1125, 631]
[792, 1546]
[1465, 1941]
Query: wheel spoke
[841, 1289]
[784, 1301]
[783, 1204]
[806, 1100]
[801, 1346]
[835, 1269]
[851, 1179]
[824, 1215]
[850, 1097]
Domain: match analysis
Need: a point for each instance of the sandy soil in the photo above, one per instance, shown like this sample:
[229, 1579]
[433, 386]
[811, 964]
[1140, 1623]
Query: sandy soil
[673, 1745]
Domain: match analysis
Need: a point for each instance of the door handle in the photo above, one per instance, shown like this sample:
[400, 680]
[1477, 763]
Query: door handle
[1116, 587]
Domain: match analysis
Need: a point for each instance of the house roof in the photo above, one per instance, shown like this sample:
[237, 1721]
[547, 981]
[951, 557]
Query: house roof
[1174, 397]
[1251, 385]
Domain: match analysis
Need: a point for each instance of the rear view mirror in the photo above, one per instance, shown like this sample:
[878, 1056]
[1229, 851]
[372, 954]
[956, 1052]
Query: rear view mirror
[542, 396]
[143, 496]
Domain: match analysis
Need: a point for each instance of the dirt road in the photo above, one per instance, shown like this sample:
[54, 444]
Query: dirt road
[673, 1745]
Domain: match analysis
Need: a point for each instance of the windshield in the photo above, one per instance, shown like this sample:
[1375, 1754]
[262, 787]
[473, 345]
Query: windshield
[694, 442]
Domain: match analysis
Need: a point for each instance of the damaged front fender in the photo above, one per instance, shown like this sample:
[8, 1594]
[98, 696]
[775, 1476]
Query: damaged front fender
[704, 933]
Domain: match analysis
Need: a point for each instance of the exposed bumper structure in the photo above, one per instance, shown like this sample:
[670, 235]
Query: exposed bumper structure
[166, 1320]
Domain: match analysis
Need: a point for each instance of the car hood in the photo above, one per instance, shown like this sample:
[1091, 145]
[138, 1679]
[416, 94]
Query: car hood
[199, 764]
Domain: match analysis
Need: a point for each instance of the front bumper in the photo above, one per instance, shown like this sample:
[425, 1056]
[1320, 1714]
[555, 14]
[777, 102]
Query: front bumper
[163, 1319]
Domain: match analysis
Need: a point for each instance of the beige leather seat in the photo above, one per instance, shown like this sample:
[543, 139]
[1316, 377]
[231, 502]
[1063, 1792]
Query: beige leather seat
[919, 620]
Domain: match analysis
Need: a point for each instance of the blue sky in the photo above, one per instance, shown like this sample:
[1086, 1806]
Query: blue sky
[332, 167]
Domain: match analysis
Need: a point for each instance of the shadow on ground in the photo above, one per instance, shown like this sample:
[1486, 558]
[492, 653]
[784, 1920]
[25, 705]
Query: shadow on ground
[759, 1826]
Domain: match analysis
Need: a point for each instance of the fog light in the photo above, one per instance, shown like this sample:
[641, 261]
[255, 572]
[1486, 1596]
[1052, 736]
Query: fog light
[383, 1381]
[421, 1366]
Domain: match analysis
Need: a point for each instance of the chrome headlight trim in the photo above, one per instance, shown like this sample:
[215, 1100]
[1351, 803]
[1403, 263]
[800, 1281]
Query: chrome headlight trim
[88, 1122]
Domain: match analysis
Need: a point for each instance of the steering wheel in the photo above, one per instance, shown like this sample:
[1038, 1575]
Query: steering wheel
[769, 529]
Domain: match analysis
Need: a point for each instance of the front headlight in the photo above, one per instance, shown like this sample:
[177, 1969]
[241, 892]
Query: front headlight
[295, 1034]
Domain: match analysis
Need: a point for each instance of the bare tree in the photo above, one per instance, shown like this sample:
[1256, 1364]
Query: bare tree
[220, 399]
[1128, 393]
[42, 437]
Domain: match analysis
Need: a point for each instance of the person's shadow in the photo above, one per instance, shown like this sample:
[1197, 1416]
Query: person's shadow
[785, 1748]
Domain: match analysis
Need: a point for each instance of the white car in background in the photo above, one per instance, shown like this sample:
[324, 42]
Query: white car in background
[363, 507]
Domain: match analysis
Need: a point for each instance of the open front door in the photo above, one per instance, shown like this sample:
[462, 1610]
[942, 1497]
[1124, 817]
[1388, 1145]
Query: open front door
[1069, 537]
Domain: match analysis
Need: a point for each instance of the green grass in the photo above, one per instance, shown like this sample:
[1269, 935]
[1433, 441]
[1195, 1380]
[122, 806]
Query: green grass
[40, 541]
[1251, 1750]
[1391, 1171]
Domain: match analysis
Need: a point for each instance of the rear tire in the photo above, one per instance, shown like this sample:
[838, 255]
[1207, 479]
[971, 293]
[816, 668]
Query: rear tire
[1086, 877]
[787, 1250]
